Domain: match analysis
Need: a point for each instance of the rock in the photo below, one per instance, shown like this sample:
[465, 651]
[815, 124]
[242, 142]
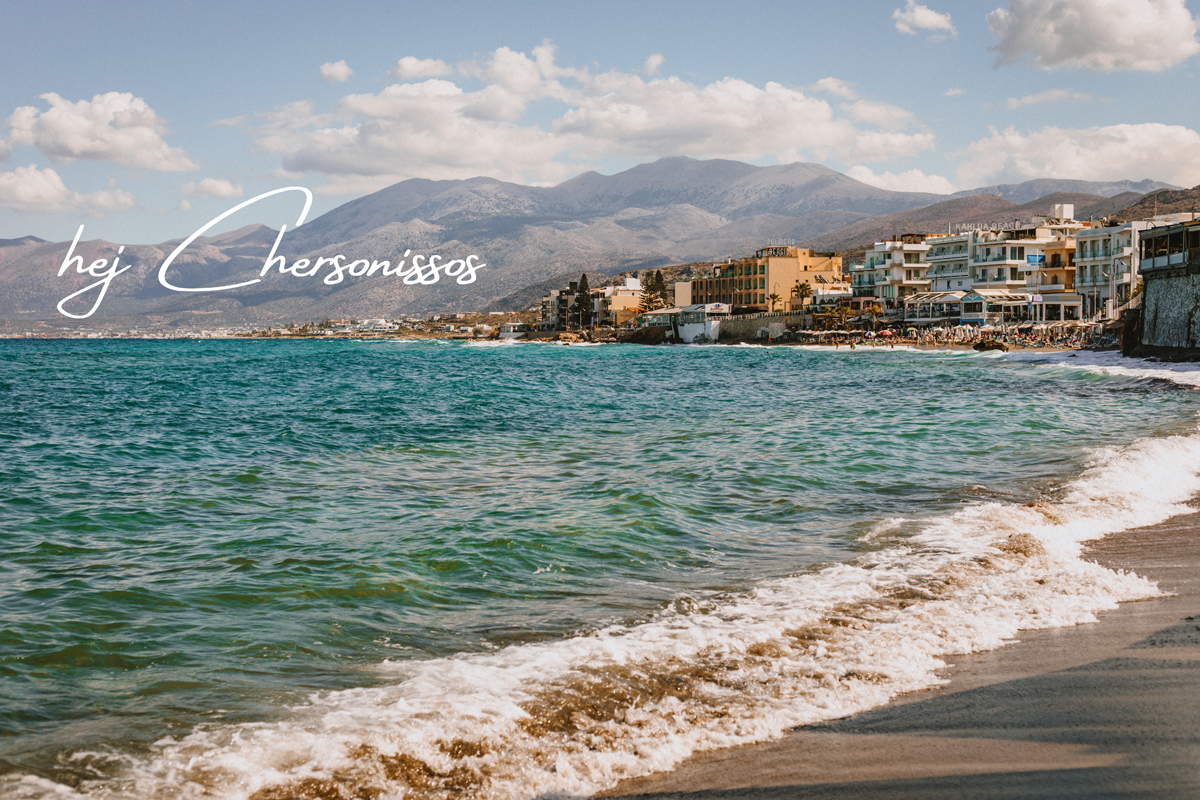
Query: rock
[990, 344]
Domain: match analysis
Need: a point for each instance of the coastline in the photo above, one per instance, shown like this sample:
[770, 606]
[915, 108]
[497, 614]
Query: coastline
[1107, 709]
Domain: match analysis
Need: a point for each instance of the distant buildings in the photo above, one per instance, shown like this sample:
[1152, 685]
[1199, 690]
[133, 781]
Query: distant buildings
[748, 284]
[1051, 269]
[610, 305]
[556, 307]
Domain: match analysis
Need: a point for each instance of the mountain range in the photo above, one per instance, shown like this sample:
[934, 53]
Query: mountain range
[669, 211]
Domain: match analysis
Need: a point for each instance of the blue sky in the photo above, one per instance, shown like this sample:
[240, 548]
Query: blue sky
[145, 120]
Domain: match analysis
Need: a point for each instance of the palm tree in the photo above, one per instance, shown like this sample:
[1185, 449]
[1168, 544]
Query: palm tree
[773, 298]
[802, 291]
[873, 310]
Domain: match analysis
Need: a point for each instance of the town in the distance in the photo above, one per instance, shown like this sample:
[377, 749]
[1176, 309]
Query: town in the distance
[1049, 280]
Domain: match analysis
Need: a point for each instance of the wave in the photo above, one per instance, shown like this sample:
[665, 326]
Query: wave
[1112, 363]
[576, 715]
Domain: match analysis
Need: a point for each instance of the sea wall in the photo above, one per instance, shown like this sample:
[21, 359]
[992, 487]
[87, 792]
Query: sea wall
[1171, 314]
[756, 328]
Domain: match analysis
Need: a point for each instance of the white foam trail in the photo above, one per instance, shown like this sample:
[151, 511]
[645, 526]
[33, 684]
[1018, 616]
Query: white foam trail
[1111, 363]
[576, 715]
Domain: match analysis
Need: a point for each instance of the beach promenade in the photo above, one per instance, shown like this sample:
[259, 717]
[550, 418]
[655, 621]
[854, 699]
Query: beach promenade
[1107, 710]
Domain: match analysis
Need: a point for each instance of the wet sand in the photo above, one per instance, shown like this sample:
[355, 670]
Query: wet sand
[1110, 709]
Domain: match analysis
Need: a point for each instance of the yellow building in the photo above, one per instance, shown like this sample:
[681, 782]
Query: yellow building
[748, 283]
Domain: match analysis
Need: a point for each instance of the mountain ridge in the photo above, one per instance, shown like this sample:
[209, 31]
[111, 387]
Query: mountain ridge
[676, 210]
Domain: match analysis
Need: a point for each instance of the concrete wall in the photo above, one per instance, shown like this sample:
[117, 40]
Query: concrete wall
[1171, 312]
[757, 328]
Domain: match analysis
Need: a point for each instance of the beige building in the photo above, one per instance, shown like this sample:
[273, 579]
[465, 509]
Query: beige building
[748, 283]
[617, 305]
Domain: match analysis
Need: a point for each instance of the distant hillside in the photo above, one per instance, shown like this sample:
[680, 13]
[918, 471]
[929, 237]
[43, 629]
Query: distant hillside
[674, 211]
[1033, 190]
[1164, 201]
[853, 240]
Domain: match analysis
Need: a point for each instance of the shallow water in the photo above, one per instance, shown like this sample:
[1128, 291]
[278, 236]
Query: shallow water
[325, 568]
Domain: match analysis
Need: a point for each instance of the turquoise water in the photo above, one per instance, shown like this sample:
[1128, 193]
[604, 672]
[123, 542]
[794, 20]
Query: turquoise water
[212, 532]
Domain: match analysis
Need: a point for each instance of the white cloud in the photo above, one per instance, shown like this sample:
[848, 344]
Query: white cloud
[1152, 150]
[954, 92]
[885, 115]
[336, 71]
[912, 181]
[438, 129]
[729, 118]
[836, 87]
[1097, 35]
[915, 17]
[410, 67]
[30, 190]
[116, 127]
[184, 205]
[212, 187]
[1049, 96]
[652, 64]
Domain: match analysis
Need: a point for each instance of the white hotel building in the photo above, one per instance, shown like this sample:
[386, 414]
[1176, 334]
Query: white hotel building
[1003, 274]
[892, 270]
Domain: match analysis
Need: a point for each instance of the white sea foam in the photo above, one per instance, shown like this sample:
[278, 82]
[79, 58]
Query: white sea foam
[1111, 363]
[576, 715]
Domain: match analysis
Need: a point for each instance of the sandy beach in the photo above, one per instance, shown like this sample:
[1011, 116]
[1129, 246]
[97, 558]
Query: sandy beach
[1110, 709]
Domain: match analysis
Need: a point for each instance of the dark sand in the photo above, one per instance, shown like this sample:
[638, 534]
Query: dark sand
[1105, 710]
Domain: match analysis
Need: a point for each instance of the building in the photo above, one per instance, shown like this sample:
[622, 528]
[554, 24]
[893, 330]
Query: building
[1106, 267]
[697, 322]
[611, 305]
[941, 309]
[748, 283]
[1170, 267]
[947, 258]
[556, 307]
[892, 270]
[1107, 263]
[617, 305]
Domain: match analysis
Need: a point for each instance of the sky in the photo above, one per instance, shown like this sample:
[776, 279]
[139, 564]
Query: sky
[143, 121]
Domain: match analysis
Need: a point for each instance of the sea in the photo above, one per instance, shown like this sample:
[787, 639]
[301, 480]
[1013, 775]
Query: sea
[434, 569]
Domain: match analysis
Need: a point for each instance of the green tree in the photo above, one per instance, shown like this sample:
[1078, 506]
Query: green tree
[583, 302]
[802, 291]
[654, 292]
[773, 298]
[660, 286]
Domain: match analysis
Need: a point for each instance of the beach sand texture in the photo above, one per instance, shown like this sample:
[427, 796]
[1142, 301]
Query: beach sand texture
[1110, 709]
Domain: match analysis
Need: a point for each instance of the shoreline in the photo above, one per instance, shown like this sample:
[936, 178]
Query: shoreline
[1106, 709]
